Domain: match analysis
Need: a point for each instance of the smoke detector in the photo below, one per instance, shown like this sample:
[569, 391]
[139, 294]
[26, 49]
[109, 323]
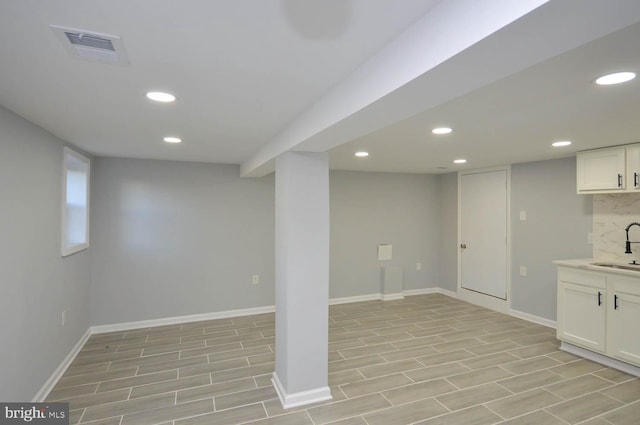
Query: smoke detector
[91, 46]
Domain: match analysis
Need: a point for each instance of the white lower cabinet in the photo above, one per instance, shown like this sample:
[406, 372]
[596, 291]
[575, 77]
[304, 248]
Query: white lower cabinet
[582, 309]
[600, 312]
[582, 321]
[624, 319]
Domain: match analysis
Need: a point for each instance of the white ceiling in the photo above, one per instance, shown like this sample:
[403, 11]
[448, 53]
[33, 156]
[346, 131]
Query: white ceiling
[517, 118]
[247, 72]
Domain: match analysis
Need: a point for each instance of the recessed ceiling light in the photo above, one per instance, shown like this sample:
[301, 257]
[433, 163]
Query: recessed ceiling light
[159, 96]
[459, 161]
[615, 78]
[362, 154]
[172, 140]
[441, 130]
[561, 143]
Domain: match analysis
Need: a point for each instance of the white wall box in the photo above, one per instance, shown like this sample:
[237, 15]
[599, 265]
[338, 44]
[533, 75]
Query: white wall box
[600, 311]
[609, 170]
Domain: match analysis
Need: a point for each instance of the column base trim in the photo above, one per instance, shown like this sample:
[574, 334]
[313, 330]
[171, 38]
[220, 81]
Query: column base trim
[300, 398]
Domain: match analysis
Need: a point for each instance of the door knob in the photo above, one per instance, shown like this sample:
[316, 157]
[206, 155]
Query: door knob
[463, 245]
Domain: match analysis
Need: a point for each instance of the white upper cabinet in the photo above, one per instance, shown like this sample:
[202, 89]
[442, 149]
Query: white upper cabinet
[601, 170]
[633, 168]
[609, 170]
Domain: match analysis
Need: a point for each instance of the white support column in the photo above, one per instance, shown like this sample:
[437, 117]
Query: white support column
[302, 278]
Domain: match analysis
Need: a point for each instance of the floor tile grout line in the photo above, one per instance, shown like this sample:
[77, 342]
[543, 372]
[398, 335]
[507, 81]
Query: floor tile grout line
[496, 413]
[544, 409]
[566, 401]
[306, 411]
[458, 388]
[631, 378]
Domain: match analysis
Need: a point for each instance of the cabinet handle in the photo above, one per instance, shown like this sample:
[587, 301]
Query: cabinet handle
[599, 298]
[615, 302]
[619, 180]
[635, 179]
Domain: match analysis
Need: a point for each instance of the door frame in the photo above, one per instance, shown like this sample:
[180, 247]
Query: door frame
[493, 303]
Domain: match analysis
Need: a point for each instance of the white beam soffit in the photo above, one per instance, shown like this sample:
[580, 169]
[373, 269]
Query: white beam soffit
[458, 47]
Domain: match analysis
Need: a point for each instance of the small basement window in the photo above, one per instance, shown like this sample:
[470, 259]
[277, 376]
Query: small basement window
[75, 202]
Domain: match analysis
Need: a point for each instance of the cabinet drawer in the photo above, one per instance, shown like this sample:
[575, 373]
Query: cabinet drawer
[628, 284]
[582, 277]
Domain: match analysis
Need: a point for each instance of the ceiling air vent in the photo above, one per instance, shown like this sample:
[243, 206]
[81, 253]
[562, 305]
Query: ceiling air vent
[92, 46]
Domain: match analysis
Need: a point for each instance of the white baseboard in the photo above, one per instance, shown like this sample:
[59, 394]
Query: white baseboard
[421, 291]
[392, 297]
[533, 318]
[599, 358]
[127, 326]
[301, 398]
[355, 299]
[118, 327]
[61, 369]
[448, 293]
[387, 297]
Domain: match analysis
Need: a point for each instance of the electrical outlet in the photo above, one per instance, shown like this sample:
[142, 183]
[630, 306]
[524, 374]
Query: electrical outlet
[255, 279]
[64, 317]
[523, 271]
[523, 216]
[418, 266]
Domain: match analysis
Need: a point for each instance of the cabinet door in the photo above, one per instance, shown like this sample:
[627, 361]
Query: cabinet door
[601, 170]
[633, 168]
[581, 315]
[624, 334]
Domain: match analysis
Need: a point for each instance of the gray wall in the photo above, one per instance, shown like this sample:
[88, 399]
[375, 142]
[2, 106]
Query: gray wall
[449, 231]
[175, 238]
[37, 283]
[558, 221]
[172, 239]
[368, 209]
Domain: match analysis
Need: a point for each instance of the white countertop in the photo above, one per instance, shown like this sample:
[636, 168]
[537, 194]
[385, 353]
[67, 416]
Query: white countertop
[588, 263]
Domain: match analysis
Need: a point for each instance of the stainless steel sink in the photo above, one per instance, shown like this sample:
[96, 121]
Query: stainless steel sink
[618, 266]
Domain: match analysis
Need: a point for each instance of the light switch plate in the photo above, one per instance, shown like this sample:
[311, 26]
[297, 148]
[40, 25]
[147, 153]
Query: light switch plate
[523, 216]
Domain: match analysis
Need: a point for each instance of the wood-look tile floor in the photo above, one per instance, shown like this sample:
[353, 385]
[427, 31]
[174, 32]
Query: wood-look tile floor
[428, 359]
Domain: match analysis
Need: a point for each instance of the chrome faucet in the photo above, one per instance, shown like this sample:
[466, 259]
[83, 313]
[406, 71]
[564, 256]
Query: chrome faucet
[628, 243]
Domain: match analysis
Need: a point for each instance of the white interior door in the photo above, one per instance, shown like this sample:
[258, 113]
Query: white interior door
[483, 233]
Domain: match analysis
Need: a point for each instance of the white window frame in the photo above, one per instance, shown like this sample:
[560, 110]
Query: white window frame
[71, 159]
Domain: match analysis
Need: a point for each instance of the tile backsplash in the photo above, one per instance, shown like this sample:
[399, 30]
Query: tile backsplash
[612, 213]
